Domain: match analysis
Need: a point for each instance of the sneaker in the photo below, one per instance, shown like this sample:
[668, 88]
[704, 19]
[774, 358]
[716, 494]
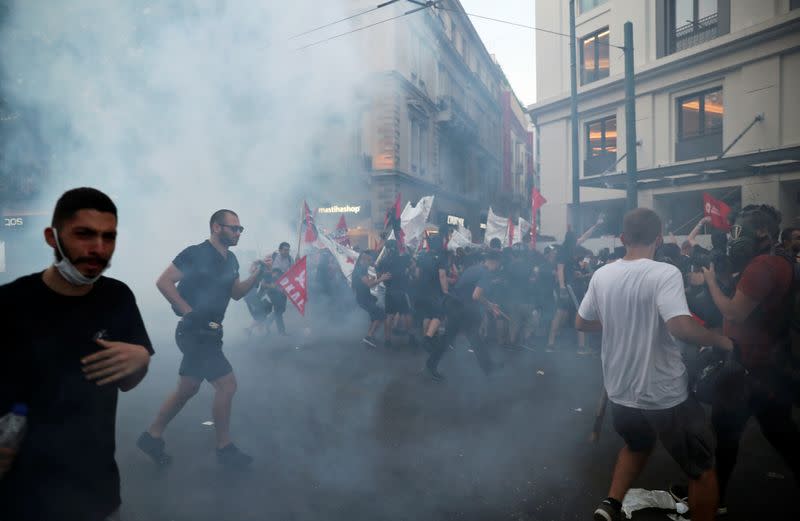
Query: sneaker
[412, 341]
[512, 347]
[388, 344]
[551, 349]
[605, 512]
[230, 456]
[583, 351]
[433, 374]
[369, 341]
[154, 448]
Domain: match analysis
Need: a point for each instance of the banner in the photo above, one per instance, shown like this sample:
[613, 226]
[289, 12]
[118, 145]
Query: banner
[345, 257]
[537, 201]
[460, 238]
[413, 220]
[718, 211]
[522, 229]
[496, 227]
[293, 284]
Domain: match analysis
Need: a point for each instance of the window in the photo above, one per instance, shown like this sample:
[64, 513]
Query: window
[418, 148]
[601, 145]
[692, 22]
[700, 124]
[594, 56]
[588, 5]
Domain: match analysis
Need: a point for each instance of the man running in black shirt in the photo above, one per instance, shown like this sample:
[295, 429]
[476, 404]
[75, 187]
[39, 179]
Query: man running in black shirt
[432, 286]
[464, 314]
[362, 283]
[397, 303]
[207, 277]
[71, 339]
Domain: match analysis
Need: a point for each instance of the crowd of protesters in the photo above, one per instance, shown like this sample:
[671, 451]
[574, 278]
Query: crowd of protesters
[678, 325]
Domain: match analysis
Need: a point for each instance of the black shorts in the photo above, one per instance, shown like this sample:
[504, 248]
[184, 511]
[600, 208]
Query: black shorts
[430, 306]
[202, 352]
[375, 312]
[682, 429]
[397, 302]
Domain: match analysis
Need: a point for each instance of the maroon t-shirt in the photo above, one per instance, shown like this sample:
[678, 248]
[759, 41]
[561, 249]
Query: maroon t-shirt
[767, 280]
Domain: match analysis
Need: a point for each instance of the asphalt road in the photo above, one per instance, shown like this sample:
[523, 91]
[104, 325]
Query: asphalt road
[340, 432]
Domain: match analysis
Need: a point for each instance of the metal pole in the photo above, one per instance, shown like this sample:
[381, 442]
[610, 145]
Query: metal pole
[630, 119]
[573, 81]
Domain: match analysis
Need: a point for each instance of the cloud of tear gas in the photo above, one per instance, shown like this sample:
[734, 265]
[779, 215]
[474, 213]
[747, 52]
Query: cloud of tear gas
[177, 109]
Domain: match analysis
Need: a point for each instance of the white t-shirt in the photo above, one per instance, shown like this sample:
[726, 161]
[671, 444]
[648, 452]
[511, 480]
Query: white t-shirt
[642, 363]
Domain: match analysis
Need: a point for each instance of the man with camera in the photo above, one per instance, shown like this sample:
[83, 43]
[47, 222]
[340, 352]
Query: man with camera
[757, 317]
[199, 285]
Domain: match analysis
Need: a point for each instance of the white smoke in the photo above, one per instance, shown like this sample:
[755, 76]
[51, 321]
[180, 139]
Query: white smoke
[177, 109]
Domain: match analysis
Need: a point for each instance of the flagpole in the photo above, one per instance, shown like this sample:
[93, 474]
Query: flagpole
[300, 229]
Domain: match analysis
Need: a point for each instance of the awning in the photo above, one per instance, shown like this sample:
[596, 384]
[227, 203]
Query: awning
[704, 171]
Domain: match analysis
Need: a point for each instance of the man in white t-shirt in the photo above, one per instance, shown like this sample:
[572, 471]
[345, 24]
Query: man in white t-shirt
[640, 307]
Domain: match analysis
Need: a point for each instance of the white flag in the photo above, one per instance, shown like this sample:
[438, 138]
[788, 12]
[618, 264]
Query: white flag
[459, 239]
[496, 227]
[413, 220]
[344, 256]
[522, 229]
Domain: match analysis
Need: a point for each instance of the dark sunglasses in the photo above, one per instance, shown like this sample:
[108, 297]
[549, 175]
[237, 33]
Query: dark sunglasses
[233, 227]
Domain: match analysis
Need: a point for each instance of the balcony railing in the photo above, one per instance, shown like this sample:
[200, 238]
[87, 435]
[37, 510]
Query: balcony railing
[695, 33]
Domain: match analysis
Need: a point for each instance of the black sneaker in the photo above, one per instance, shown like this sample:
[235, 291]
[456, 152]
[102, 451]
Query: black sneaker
[412, 341]
[605, 512]
[369, 341]
[433, 374]
[154, 448]
[230, 456]
[388, 344]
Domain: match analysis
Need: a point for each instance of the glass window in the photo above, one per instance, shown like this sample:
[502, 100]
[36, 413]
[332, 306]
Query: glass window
[588, 5]
[595, 56]
[602, 137]
[700, 114]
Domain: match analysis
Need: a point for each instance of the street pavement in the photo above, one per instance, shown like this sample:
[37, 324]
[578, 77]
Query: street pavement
[341, 432]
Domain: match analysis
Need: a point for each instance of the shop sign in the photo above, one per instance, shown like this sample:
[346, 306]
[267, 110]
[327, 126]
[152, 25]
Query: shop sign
[13, 222]
[340, 209]
[455, 220]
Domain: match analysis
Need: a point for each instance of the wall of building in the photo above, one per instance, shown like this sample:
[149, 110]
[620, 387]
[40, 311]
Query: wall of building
[756, 64]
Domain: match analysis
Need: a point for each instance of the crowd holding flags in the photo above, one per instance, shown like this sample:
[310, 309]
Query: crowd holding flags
[718, 211]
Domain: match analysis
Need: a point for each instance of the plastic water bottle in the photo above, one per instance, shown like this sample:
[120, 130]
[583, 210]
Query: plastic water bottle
[13, 426]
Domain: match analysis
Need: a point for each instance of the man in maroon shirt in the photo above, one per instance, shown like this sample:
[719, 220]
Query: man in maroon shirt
[756, 317]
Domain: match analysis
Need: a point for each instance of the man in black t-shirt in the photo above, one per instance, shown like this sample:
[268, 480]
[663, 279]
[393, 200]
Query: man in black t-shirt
[432, 286]
[464, 309]
[199, 285]
[362, 282]
[72, 339]
[397, 302]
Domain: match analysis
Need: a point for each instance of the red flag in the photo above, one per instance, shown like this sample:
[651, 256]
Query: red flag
[537, 201]
[340, 234]
[308, 223]
[718, 211]
[293, 284]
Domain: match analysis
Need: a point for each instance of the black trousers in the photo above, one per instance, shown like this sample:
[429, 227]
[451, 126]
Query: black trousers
[462, 319]
[766, 396]
[278, 299]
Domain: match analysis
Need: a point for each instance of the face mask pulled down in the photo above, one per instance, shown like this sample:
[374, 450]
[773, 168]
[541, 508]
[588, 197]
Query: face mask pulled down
[68, 270]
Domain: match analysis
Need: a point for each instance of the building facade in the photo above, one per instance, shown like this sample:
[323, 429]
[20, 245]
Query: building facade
[715, 111]
[433, 121]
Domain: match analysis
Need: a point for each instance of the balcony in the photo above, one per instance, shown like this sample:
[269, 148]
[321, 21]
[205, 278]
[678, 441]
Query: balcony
[706, 145]
[598, 164]
[695, 33]
[452, 117]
